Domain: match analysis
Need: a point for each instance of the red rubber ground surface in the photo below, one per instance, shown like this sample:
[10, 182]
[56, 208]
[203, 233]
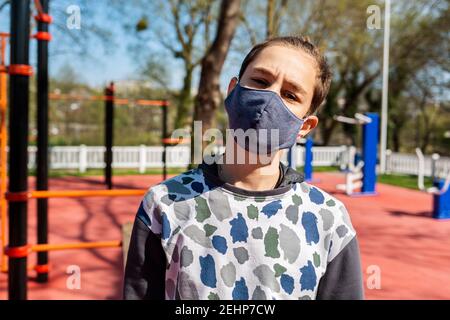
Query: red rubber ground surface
[395, 230]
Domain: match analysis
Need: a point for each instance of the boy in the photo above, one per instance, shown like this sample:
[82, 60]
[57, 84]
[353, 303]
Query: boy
[251, 230]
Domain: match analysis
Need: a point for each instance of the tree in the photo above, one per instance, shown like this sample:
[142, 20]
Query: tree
[4, 4]
[418, 68]
[274, 15]
[199, 13]
[336, 27]
[186, 36]
[209, 97]
[419, 41]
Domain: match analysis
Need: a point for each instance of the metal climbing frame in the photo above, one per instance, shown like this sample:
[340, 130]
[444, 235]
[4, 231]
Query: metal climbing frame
[18, 194]
[440, 189]
[364, 174]
[3, 144]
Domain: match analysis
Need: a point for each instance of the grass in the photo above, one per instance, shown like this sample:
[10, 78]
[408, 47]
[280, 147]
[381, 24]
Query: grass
[320, 169]
[405, 181]
[58, 173]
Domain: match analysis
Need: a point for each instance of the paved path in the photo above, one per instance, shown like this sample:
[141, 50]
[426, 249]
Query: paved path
[396, 234]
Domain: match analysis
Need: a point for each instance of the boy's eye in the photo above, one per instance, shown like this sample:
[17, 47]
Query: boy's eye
[291, 96]
[260, 81]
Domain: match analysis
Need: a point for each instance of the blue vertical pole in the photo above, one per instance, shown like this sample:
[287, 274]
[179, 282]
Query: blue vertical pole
[441, 203]
[308, 167]
[369, 153]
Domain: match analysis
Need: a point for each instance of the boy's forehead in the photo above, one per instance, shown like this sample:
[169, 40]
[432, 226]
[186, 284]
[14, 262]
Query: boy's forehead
[288, 60]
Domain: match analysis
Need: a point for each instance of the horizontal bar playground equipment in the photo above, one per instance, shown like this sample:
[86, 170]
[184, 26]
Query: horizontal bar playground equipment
[16, 198]
[24, 196]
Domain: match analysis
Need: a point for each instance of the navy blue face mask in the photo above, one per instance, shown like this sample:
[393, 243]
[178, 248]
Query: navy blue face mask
[266, 122]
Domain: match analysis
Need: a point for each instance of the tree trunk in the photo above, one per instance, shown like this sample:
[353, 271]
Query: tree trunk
[209, 97]
[270, 18]
[273, 17]
[396, 139]
[327, 131]
[184, 100]
[426, 135]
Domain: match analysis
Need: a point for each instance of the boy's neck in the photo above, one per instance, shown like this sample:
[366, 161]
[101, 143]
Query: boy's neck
[249, 175]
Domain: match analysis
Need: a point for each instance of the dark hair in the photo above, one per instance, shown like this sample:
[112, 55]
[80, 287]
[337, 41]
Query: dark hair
[323, 75]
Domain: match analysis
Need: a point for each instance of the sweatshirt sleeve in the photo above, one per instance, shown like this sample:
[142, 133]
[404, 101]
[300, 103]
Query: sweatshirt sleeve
[343, 277]
[146, 261]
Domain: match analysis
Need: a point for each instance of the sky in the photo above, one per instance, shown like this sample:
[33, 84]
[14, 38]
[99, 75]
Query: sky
[100, 67]
[96, 71]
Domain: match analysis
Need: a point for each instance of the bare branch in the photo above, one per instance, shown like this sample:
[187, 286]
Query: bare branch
[251, 32]
[3, 5]
[175, 10]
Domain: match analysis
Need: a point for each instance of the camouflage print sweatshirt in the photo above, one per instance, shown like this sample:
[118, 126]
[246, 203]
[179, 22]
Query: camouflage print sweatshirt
[196, 237]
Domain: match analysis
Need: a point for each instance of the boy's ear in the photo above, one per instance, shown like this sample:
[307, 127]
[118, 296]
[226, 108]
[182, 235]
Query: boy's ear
[232, 84]
[309, 124]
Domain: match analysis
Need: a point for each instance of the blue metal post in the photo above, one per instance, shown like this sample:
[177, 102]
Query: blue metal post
[369, 153]
[441, 203]
[308, 167]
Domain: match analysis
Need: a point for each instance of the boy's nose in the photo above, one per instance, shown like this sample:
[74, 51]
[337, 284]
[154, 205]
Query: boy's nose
[276, 87]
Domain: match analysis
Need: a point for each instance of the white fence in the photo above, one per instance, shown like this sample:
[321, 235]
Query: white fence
[139, 157]
[143, 157]
[409, 164]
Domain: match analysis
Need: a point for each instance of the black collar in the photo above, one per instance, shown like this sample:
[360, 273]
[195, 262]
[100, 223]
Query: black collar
[286, 179]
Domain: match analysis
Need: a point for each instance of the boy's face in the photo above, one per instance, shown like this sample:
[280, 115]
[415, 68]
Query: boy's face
[289, 72]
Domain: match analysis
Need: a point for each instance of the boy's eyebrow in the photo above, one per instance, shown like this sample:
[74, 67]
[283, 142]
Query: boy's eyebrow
[291, 83]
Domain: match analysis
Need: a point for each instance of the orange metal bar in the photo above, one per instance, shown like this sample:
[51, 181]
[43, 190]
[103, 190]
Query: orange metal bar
[143, 102]
[24, 251]
[86, 193]
[42, 35]
[18, 252]
[43, 17]
[20, 69]
[3, 155]
[7, 35]
[29, 268]
[42, 194]
[57, 247]
[121, 102]
[76, 245]
[57, 96]
[38, 6]
[172, 141]
[117, 101]
[43, 268]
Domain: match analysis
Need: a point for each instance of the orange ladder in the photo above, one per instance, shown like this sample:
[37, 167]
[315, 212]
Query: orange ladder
[3, 154]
